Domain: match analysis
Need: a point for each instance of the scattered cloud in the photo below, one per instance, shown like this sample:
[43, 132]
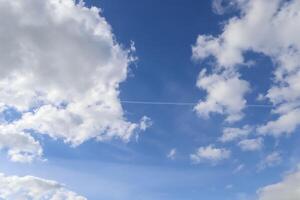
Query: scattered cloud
[286, 123]
[232, 134]
[21, 147]
[263, 27]
[239, 168]
[210, 154]
[270, 160]
[225, 93]
[60, 69]
[34, 188]
[251, 144]
[172, 154]
[221, 7]
[288, 188]
[229, 187]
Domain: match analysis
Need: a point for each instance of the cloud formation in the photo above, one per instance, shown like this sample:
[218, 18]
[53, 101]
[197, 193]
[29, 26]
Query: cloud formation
[225, 92]
[288, 188]
[34, 188]
[251, 144]
[262, 27]
[210, 154]
[270, 160]
[232, 134]
[60, 68]
[172, 154]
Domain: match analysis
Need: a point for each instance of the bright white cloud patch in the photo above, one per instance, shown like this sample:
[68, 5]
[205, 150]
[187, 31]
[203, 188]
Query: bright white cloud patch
[251, 144]
[288, 188]
[225, 93]
[210, 154]
[21, 147]
[60, 67]
[263, 27]
[33, 188]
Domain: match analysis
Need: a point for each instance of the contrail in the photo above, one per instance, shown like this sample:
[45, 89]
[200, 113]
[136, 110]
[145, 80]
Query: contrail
[187, 103]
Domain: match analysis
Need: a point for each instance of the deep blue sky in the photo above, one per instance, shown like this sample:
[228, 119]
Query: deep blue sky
[163, 33]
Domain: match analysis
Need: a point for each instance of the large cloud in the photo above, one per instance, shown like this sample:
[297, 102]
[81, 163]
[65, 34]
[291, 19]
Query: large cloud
[33, 188]
[60, 68]
[288, 189]
[269, 28]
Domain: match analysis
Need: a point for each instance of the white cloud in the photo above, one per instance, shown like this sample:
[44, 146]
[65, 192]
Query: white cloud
[231, 134]
[270, 160]
[33, 188]
[251, 144]
[269, 28]
[210, 154]
[286, 123]
[61, 67]
[21, 147]
[225, 94]
[172, 154]
[288, 188]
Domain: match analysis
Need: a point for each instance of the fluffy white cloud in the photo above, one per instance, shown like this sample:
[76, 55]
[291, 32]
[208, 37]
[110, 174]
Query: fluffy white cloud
[60, 67]
[225, 94]
[33, 188]
[21, 147]
[210, 154]
[269, 28]
[288, 188]
[231, 134]
[285, 124]
[251, 144]
[270, 160]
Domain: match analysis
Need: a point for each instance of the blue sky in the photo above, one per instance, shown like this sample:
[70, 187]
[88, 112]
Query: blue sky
[107, 165]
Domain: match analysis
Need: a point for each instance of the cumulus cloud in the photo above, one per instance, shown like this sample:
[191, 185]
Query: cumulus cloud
[60, 68]
[251, 144]
[210, 154]
[225, 92]
[269, 28]
[34, 188]
[288, 188]
[285, 124]
[21, 147]
[232, 134]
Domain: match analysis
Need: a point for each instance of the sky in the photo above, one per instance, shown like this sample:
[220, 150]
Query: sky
[150, 99]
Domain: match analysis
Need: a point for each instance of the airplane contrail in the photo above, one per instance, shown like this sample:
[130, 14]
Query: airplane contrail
[186, 103]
